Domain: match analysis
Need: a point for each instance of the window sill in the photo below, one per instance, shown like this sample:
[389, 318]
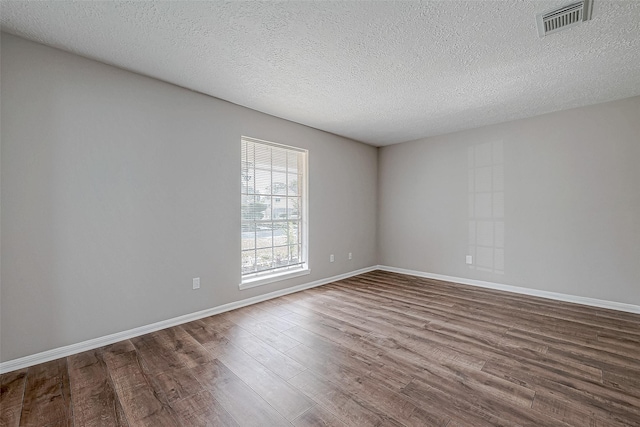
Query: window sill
[275, 277]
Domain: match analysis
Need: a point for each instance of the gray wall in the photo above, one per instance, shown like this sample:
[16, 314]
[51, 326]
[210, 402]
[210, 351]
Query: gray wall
[550, 203]
[117, 189]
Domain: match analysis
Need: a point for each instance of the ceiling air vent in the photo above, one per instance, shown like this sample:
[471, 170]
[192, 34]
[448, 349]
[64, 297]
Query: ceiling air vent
[568, 16]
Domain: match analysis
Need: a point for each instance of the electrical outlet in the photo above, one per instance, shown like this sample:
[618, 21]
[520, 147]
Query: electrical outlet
[469, 259]
[350, 255]
[196, 283]
[331, 258]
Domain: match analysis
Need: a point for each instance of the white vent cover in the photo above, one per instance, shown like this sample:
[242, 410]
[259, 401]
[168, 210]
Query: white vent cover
[555, 20]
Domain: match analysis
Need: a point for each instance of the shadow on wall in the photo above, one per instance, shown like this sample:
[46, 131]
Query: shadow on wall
[486, 207]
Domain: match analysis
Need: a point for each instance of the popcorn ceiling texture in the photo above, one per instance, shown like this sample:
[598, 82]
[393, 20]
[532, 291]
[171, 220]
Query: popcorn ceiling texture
[377, 72]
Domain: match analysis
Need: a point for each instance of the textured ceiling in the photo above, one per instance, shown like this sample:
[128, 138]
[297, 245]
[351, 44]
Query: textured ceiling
[377, 72]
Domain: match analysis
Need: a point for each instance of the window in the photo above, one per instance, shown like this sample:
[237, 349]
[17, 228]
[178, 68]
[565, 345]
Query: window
[274, 207]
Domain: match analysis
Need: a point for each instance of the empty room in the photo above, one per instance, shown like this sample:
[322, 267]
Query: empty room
[320, 213]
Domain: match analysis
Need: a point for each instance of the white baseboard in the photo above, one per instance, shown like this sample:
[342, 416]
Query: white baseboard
[612, 305]
[56, 353]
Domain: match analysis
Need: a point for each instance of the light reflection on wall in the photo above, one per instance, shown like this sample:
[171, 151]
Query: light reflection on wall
[486, 207]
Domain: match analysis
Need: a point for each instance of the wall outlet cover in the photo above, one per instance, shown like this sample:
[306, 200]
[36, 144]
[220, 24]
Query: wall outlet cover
[469, 259]
[196, 283]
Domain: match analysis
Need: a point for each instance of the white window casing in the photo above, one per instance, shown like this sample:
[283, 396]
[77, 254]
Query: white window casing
[274, 212]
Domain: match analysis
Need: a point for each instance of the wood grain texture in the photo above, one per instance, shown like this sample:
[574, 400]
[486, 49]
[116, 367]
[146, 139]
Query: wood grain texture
[93, 395]
[11, 396]
[47, 396]
[372, 350]
[318, 417]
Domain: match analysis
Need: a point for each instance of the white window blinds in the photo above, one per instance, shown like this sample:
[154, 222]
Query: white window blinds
[273, 207]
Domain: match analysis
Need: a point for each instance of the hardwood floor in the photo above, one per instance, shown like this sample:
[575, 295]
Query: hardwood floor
[376, 349]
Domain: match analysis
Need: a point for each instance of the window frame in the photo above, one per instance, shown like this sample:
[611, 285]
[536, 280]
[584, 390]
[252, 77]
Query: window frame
[259, 278]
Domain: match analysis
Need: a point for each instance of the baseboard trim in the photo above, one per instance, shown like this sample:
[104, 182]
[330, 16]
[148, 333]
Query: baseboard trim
[612, 305]
[56, 353]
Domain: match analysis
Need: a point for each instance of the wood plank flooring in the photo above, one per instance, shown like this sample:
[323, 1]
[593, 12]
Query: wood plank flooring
[379, 349]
